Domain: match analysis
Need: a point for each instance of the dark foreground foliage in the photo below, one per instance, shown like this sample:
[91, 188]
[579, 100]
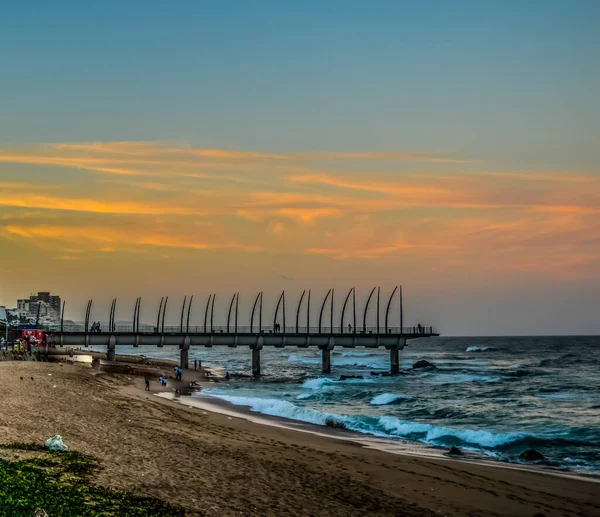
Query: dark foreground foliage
[59, 483]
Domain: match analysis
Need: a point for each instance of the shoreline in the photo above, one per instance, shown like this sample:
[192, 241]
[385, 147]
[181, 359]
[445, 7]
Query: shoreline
[387, 445]
[213, 464]
[382, 443]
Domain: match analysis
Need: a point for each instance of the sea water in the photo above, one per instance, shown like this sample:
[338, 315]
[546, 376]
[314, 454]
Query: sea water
[494, 397]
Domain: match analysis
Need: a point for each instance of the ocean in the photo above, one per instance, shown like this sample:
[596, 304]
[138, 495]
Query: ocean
[492, 397]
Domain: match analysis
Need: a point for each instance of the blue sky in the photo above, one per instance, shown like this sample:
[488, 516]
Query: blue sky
[450, 146]
[470, 77]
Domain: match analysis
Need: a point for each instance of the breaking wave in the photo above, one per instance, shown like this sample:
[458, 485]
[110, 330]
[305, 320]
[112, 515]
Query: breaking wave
[322, 382]
[358, 360]
[384, 426]
[387, 398]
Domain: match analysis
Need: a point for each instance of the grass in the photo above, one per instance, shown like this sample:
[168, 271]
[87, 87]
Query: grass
[60, 483]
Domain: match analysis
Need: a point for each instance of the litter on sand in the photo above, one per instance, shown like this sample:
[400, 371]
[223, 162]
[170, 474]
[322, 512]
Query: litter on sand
[56, 444]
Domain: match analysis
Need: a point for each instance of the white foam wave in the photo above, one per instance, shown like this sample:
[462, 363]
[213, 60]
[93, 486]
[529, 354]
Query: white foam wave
[358, 354]
[385, 426]
[295, 358]
[477, 348]
[322, 382]
[274, 407]
[386, 398]
[365, 361]
[435, 434]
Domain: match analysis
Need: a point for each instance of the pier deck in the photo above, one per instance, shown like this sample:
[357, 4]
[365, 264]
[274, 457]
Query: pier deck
[256, 335]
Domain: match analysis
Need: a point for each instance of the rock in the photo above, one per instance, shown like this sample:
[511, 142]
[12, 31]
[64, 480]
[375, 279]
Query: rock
[336, 424]
[422, 363]
[532, 455]
[455, 451]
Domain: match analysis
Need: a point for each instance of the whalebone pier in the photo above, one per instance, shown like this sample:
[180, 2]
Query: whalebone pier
[326, 335]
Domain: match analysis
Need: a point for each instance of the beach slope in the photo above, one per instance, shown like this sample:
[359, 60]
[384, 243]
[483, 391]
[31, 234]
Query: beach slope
[212, 464]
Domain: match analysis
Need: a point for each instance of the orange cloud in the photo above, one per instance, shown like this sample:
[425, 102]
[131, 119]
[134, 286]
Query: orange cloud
[166, 195]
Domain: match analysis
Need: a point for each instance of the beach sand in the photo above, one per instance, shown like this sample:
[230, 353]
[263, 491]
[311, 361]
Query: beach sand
[213, 464]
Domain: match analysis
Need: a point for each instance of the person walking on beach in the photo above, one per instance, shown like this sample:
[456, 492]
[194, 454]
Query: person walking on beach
[195, 365]
[147, 380]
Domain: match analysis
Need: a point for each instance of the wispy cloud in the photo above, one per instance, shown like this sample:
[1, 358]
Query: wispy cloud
[111, 197]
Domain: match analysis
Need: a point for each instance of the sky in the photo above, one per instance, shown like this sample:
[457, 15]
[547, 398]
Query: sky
[195, 147]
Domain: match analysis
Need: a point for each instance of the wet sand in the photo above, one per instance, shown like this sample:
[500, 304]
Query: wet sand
[216, 464]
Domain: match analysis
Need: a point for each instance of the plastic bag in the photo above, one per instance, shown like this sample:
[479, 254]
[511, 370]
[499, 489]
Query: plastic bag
[56, 444]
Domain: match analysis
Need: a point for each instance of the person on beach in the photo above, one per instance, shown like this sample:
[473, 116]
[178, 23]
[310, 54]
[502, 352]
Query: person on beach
[147, 380]
[160, 380]
[195, 364]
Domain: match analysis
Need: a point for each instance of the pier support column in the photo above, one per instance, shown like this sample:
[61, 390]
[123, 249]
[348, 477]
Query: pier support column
[110, 352]
[184, 353]
[326, 360]
[184, 358]
[256, 362]
[256, 348]
[326, 355]
[395, 355]
[394, 361]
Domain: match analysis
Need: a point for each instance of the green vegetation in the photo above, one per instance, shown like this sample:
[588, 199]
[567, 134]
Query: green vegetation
[60, 483]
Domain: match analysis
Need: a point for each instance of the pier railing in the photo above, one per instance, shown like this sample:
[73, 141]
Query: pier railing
[241, 329]
[343, 329]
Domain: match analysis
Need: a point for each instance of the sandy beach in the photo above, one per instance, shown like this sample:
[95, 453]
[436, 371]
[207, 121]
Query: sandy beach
[215, 464]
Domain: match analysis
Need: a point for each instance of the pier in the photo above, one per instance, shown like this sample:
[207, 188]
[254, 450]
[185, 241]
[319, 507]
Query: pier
[325, 336]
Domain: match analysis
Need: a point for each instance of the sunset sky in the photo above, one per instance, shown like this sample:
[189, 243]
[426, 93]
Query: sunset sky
[194, 147]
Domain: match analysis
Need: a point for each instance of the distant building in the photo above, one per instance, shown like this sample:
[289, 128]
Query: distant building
[42, 305]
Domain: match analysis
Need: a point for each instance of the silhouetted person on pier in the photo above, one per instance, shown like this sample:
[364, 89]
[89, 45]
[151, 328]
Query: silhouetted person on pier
[420, 328]
[349, 328]
[277, 328]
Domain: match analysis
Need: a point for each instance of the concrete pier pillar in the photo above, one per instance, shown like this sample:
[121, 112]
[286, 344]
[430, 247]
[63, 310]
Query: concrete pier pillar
[111, 352]
[184, 352]
[184, 358]
[326, 360]
[394, 360]
[326, 355]
[256, 362]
